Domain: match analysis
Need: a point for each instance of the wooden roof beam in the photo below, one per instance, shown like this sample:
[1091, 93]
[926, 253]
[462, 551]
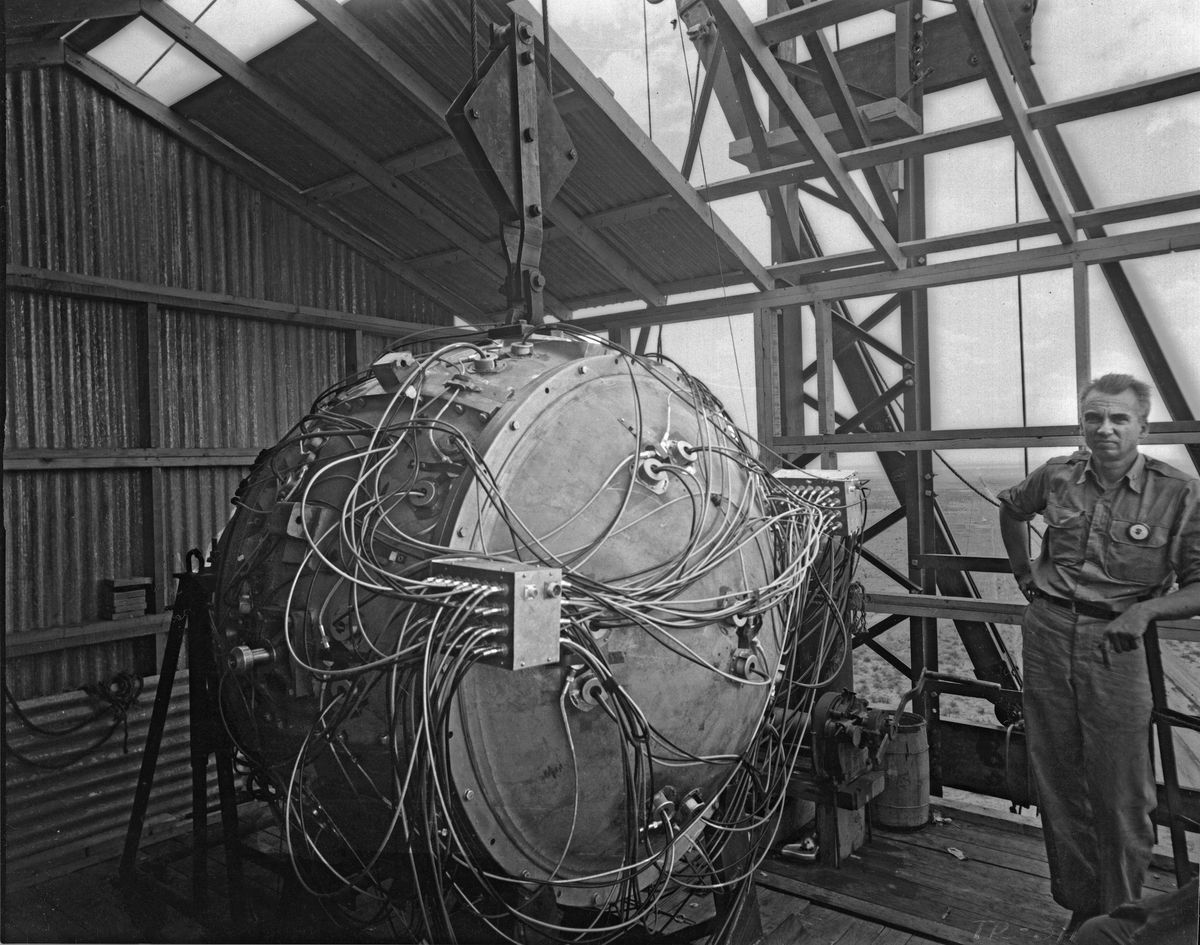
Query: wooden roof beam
[983, 437]
[594, 221]
[1041, 116]
[1101, 251]
[346, 27]
[1130, 306]
[265, 181]
[776, 204]
[406, 162]
[328, 138]
[570, 67]
[853, 126]
[699, 113]
[343, 25]
[33, 55]
[415, 159]
[30, 14]
[583, 236]
[816, 16]
[977, 24]
[740, 38]
[1006, 233]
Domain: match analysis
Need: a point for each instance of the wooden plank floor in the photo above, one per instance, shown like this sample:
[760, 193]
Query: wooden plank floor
[900, 889]
[909, 882]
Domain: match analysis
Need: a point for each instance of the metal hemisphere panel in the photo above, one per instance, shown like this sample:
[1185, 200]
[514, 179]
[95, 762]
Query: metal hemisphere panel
[546, 785]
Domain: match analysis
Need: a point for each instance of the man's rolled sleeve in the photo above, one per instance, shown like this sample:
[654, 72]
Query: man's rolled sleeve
[1187, 545]
[1027, 499]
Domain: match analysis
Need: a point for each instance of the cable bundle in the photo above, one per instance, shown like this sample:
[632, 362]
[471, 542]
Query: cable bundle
[682, 552]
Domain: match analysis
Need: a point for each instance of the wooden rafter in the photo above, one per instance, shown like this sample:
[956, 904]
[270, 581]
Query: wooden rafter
[409, 161]
[37, 54]
[268, 183]
[1107, 249]
[1040, 117]
[1005, 233]
[982, 36]
[218, 303]
[853, 126]
[699, 113]
[577, 230]
[415, 159]
[570, 67]
[29, 14]
[881, 313]
[990, 437]
[1122, 289]
[773, 197]
[740, 38]
[347, 28]
[190, 36]
[615, 216]
[816, 16]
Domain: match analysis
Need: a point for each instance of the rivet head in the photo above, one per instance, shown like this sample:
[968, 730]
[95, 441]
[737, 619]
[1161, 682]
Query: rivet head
[515, 425]
[468, 794]
[583, 369]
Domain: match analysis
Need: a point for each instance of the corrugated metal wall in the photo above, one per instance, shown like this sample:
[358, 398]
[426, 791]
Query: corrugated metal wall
[95, 189]
[57, 818]
[270, 370]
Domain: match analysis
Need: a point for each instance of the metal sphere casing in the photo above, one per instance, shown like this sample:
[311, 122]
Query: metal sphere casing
[596, 463]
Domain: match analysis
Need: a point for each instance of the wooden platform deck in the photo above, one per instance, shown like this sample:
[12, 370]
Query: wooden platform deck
[900, 889]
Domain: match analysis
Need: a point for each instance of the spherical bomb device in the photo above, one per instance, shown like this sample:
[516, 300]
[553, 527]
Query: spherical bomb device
[475, 613]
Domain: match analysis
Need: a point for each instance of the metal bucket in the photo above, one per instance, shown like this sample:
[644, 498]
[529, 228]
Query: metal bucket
[904, 801]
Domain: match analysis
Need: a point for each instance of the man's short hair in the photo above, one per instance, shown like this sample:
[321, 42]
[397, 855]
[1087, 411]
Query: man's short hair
[1118, 384]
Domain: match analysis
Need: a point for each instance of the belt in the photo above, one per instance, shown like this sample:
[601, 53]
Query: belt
[1084, 608]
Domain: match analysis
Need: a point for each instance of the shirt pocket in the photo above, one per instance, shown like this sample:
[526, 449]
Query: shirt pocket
[1137, 561]
[1066, 533]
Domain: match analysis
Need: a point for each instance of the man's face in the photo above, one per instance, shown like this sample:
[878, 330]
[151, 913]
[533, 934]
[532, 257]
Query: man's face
[1112, 425]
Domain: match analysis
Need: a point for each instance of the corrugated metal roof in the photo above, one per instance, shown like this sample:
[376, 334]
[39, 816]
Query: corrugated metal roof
[337, 85]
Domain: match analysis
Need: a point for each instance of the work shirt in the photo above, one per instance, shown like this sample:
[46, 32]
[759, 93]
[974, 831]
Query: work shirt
[1111, 546]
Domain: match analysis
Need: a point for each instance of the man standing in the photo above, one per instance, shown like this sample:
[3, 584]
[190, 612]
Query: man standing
[1120, 530]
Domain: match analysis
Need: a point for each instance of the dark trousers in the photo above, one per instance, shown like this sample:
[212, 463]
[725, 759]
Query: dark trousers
[1088, 732]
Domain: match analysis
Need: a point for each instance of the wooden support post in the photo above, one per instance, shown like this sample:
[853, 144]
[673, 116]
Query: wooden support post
[624, 336]
[790, 338]
[825, 420]
[153, 435]
[1083, 333]
[1166, 752]
[919, 499]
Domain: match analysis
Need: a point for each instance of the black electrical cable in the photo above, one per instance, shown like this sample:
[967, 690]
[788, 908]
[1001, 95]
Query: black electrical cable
[116, 698]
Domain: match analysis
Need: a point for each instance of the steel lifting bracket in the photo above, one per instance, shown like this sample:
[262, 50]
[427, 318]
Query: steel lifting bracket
[512, 134]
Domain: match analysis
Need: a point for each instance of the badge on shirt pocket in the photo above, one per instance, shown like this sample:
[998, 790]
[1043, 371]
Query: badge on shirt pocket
[1139, 532]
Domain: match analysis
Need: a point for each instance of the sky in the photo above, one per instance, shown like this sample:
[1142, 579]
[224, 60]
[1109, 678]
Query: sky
[1080, 46]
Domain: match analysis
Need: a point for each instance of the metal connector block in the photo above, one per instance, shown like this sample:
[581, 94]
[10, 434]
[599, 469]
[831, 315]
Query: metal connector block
[529, 603]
